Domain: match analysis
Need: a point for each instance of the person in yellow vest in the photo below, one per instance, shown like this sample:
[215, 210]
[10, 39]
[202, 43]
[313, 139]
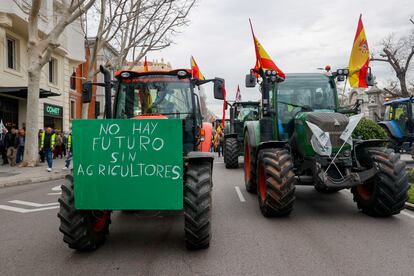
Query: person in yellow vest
[69, 152]
[47, 144]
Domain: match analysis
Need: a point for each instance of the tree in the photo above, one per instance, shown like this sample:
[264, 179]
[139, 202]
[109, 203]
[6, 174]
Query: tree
[39, 50]
[134, 28]
[398, 53]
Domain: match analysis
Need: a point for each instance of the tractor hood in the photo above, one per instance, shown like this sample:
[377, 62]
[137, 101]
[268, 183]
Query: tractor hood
[333, 123]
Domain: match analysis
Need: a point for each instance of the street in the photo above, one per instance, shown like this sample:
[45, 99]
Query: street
[325, 235]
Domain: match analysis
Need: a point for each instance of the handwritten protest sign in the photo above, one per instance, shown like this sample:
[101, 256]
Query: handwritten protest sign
[128, 164]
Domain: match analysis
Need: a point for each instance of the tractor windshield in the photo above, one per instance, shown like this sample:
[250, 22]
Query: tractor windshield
[317, 92]
[154, 94]
[247, 113]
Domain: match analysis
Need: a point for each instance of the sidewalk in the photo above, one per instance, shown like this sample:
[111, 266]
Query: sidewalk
[13, 176]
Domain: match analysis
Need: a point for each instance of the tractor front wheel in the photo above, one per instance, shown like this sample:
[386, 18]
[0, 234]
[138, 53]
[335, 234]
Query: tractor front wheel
[275, 182]
[83, 230]
[249, 166]
[384, 194]
[197, 205]
[231, 153]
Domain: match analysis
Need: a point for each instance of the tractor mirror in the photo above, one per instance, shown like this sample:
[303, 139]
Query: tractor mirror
[250, 80]
[86, 92]
[370, 79]
[219, 88]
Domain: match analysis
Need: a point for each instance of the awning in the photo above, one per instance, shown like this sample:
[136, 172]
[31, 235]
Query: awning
[21, 92]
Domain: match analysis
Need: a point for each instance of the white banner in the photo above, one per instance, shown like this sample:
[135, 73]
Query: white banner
[353, 122]
[320, 141]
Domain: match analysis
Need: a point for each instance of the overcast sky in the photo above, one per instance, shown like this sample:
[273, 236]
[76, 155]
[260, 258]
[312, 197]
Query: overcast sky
[299, 35]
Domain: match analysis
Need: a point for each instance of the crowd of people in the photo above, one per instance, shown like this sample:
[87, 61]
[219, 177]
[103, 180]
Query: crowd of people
[52, 144]
[12, 145]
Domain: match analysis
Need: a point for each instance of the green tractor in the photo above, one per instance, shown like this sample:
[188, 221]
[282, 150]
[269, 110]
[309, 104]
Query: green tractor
[150, 153]
[240, 113]
[304, 138]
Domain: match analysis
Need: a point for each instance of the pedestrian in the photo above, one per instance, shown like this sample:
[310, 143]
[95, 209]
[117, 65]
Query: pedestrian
[212, 140]
[58, 146]
[41, 151]
[69, 152]
[47, 143]
[3, 150]
[64, 143]
[220, 144]
[20, 147]
[12, 144]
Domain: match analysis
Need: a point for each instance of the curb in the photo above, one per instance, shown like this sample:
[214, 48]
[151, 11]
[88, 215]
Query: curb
[32, 181]
[409, 206]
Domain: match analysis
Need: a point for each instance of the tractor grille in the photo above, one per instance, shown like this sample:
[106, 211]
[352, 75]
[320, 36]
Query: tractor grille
[334, 123]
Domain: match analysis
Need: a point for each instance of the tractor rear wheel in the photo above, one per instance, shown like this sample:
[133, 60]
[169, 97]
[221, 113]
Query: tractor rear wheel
[197, 205]
[384, 194]
[83, 230]
[275, 182]
[249, 166]
[231, 153]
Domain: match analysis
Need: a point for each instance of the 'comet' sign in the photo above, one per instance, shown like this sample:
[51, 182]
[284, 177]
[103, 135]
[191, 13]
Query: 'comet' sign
[128, 164]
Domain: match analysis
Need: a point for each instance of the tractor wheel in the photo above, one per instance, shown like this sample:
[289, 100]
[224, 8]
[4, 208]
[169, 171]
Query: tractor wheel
[197, 205]
[275, 182]
[231, 154]
[384, 194]
[83, 230]
[249, 167]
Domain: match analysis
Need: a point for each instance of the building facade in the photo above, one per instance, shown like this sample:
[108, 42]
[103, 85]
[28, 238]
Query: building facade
[55, 84]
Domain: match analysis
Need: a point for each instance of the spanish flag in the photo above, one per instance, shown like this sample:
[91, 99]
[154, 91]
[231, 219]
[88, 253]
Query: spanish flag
[263, 60]
[195, 70]
[359, 60]
[145, 64]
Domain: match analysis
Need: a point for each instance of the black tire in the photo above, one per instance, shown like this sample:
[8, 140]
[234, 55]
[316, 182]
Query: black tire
[385, 194]
[197, 205]
[249, 166]
[231, 153]
[275, 182]
[83, 230]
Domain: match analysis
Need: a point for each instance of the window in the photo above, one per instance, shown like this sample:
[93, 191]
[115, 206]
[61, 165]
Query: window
[72, 109]
[11, 53]
[73, 81]
[53, 70]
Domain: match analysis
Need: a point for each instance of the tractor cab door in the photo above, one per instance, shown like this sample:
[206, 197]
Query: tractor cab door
[401, 115]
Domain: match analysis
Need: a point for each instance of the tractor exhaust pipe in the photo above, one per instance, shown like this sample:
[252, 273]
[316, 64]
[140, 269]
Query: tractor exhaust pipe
[108, 91]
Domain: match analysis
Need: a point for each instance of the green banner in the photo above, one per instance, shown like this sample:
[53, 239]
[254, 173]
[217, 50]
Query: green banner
[128, 164]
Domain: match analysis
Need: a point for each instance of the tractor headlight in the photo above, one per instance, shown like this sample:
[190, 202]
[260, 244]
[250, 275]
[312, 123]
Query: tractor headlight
[268, 72]
[125, 74]
[181, 73]
[346, 72]
[273, 73]
[340, 72]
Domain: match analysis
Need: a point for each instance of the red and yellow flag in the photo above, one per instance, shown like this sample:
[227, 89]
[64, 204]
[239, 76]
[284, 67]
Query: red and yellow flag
[359, 60]
[145, 64]
[195, 70]
[263, 60]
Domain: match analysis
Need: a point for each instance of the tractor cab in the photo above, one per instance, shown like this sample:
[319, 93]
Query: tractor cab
[302, 93]
[399, 123]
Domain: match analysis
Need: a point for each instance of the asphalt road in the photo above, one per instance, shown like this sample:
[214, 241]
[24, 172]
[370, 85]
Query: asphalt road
[325, 235]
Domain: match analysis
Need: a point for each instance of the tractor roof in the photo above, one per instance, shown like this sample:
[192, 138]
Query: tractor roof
[248, 103]
[149, 73]
[400, 100]
[310, 76]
